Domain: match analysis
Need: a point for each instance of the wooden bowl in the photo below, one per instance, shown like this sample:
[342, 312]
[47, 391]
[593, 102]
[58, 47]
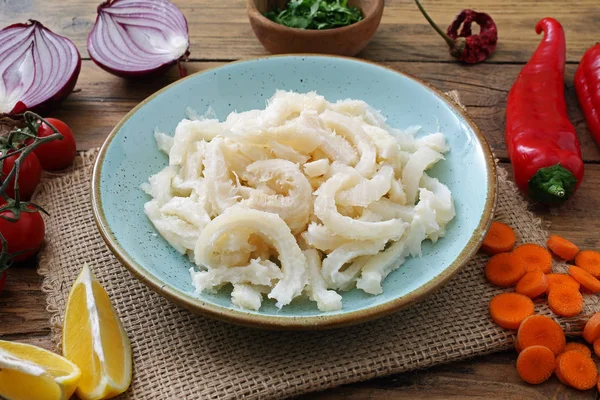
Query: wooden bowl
[347, 40]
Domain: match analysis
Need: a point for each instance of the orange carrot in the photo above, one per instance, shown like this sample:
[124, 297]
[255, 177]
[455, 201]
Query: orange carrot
[518, 347]
[591, 331]
[597, 347]
[589, 260]
[577, 370]
[586, 279]
[578, 347]
[535, 256]
[532, 284]
[504, 269]
[565, 301]
[557, 371]
[535, 364]
[543, 331]
[499, 239]
[562, 247]
[508, 310]
[561, 279]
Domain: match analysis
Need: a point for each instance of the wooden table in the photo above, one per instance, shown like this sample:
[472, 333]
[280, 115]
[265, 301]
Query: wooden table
[219, 33]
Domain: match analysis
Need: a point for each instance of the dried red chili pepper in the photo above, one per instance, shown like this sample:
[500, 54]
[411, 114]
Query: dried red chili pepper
[465, 46]
[587, 86]
[541, 141]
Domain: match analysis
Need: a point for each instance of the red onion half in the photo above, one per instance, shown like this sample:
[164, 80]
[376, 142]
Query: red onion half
[37, 67]
[134, 38]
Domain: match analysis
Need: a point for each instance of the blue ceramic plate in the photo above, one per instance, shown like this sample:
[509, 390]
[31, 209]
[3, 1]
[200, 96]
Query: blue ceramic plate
[129, 156]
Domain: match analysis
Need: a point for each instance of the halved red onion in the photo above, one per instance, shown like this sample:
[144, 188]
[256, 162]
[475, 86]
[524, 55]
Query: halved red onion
[37, 67]
[133, 38]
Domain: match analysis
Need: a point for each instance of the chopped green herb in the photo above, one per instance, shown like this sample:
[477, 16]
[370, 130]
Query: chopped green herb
[316, 14]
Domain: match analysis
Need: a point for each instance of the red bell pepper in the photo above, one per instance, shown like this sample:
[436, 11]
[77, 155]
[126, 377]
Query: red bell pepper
[541, 141]
[587, 86]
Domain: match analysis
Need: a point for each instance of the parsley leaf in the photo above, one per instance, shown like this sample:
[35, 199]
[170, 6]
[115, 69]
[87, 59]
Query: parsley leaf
[316, 14]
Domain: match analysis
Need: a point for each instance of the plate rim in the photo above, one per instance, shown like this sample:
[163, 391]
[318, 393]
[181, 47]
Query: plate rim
[316, 322]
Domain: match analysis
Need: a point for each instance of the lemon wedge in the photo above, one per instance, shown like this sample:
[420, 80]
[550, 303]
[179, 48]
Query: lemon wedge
[94, 339]
[30, 372]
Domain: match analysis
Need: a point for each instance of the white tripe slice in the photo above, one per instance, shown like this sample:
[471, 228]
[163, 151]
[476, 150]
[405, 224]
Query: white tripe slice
[389, 209]
[221, 191]
[387, 145]
[188, 132]
[257, 272]
[325, 208]
[333, 263]
[160, 185]
[351, 129]
[288, 153]
[286, 105]
[440, 199]
[164, 142]
[368, 190]
[377, 267]
[189, 209]
[422, 225]
[316, 289]
[316, 168]
[319, 237]
[180, 234]
[275, 232]
[246, 296]
[435, 141]
[292, 198]
[190, 173]
[419, 161]
[397, 193]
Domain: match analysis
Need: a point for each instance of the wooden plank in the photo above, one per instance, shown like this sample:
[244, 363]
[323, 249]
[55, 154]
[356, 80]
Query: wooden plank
[103, 99]
[219, 30]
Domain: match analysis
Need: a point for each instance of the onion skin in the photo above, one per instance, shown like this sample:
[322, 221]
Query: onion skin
[20, 107]
[149, 72]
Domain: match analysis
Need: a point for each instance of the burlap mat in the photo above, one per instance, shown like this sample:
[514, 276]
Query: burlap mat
[178, 355]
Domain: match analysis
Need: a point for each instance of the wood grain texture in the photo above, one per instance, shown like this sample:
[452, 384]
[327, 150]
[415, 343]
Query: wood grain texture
[219, 30]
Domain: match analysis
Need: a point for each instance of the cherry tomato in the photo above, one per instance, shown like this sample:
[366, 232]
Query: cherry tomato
[57, 154]
[30, 174]
[25, 235]
[2, 280]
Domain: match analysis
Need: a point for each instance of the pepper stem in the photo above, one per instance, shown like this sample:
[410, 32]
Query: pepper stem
[448, 40]
[553, 184]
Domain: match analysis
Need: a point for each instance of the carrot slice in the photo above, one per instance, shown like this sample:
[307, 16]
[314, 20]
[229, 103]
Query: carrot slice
[576, 346]
[562, 247]
[597, 347]
[586, 279]
[561, 279]
[589, 260]
[577, 370]
[543, 331]
[535, 256]
[535, 364]
[504, 269]
[557, 371]
[518, 347]
[532, 284]
[508, 310]
[565, 301]
[591, 331]
[499, 239]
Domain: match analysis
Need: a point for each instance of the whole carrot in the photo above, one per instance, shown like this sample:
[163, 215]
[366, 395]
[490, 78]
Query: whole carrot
[541, 141]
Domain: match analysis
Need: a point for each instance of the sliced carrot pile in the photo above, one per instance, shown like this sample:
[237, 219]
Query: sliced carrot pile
[577, 370]
[591, 331]
[585, 279]
[543, 331]
[589, 260]
[535, 364]
[597, 347]
[562, 247]
[535, 256]
[578, 347]
[499, 239]
[532, 284]
[508, 310]
[561, 279]
[504, 269]
[565, 301]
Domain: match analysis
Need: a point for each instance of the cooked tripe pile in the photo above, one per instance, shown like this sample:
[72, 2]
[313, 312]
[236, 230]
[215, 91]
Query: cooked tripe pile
[304, 197]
